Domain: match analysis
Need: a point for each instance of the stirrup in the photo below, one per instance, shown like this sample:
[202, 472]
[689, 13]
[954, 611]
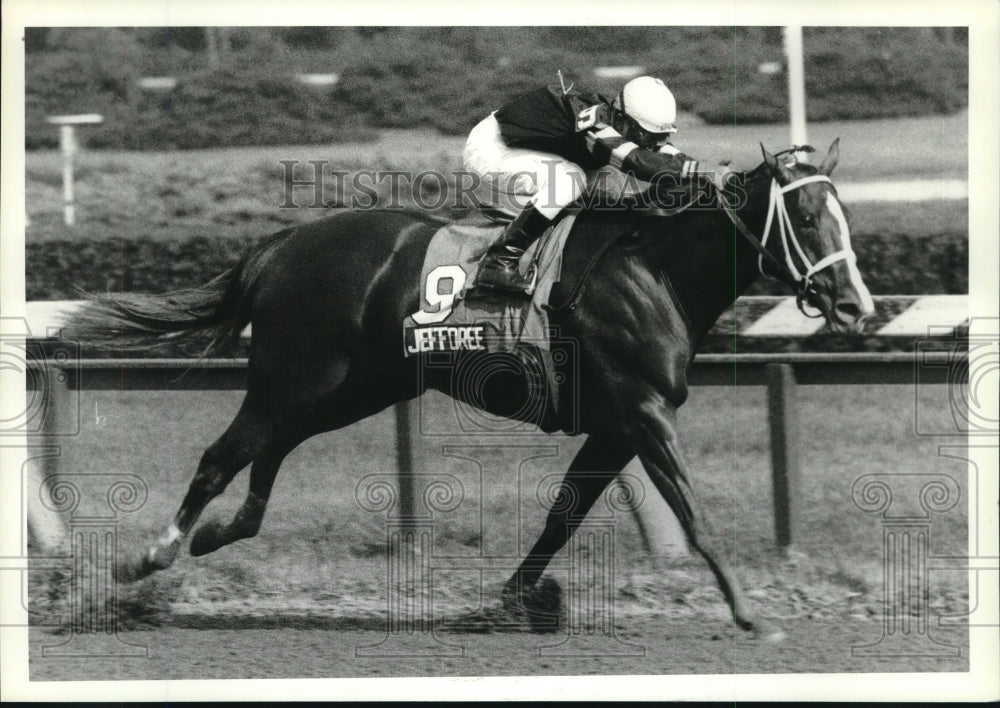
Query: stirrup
[534, 279]
[493, 275]
[514, 285]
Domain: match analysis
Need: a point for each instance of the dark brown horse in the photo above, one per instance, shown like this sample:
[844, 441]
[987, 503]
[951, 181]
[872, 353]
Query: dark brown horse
[326, 301]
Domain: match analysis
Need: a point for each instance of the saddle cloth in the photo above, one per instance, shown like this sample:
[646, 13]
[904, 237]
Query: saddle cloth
[450, 320]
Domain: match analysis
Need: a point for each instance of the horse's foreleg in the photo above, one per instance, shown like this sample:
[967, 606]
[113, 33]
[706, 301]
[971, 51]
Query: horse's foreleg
[597, 463]
[661, 455]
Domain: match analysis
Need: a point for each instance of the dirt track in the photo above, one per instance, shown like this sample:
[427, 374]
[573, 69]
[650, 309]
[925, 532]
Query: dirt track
[650, 646]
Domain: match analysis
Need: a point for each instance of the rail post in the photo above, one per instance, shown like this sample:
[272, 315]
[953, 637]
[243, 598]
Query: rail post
[784, 451]
[405, 415]
[67, 144]
[659, 529]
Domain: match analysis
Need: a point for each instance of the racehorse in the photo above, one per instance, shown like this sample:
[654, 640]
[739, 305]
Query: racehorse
[326, 301]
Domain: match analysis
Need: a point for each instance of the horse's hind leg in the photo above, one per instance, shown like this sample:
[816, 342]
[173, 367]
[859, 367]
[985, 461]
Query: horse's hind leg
[212, 535]
[245, 438]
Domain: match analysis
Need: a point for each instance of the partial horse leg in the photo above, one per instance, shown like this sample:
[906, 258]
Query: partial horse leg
[245, 438]
[353, 400]
[661, 455]
[212, 535]
[598, 462]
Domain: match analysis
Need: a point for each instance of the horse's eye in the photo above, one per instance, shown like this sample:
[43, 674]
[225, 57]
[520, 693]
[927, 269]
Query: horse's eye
[808, 220]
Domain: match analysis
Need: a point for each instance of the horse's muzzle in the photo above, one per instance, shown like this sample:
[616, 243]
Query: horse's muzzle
[843, 315]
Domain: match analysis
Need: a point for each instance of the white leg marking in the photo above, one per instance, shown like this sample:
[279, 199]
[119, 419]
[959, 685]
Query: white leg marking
[170, 535]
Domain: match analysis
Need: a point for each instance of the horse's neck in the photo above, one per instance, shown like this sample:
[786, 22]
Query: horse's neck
[709, 263]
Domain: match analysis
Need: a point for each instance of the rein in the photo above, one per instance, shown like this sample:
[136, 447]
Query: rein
[787, 272]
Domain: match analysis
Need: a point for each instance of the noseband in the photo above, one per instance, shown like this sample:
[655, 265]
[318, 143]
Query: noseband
[787, 272]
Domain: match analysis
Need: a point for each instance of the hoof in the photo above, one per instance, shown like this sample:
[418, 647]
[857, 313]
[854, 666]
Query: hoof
[137, 567]
[773, 636]
[541, 604]
[544, 606]
[207, 538]
[767, 633]
[510, 599]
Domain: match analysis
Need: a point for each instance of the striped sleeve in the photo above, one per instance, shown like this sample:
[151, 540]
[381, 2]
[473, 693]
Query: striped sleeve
[609, 147]
[689, 168]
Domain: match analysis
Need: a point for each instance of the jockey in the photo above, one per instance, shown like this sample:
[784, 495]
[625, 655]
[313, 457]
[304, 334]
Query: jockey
[540, 143]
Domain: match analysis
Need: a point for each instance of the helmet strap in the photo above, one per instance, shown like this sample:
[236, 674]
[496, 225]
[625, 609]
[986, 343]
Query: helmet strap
[630, 126]
[562, 83]
[631, 130]
[619, 121]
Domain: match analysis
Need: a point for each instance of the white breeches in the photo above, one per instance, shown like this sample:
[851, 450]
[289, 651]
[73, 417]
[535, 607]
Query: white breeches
[517, 177]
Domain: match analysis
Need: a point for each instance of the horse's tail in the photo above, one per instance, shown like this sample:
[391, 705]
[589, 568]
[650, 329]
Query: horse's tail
[200, 321]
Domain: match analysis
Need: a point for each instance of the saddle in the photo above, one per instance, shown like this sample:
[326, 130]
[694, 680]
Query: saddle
[455, 316]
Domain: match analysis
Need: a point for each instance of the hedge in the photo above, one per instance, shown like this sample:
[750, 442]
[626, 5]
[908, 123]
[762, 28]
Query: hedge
[849, 74]
[892, 264]
[448, 78]
[230, 106]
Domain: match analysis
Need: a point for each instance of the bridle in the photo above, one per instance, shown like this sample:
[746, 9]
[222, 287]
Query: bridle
[787, 272]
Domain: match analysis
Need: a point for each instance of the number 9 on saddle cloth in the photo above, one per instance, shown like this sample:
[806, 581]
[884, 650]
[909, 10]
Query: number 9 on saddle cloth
[449, 322]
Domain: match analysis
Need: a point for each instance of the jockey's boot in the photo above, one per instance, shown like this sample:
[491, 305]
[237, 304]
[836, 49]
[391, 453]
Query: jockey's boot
[498, 270]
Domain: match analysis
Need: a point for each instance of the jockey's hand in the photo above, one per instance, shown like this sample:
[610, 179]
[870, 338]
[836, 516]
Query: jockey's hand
[720, 177]
[717, 177]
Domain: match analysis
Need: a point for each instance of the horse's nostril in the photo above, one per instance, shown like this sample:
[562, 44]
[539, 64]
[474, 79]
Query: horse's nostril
[848, 311]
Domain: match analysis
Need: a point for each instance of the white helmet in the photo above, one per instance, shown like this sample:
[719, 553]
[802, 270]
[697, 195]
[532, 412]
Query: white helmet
[649, 103]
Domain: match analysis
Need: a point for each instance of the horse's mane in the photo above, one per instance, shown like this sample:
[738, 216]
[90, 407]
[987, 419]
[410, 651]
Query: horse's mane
[656, 220]
[763, 171]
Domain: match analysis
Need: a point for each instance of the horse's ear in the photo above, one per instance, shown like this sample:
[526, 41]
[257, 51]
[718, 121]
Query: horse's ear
[830, 161]
[770, 159]
[778, 171]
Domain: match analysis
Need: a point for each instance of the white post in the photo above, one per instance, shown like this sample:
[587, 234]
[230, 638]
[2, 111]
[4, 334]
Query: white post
[46, 525]
[796, 87]
[660, 530]
[67, 144]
